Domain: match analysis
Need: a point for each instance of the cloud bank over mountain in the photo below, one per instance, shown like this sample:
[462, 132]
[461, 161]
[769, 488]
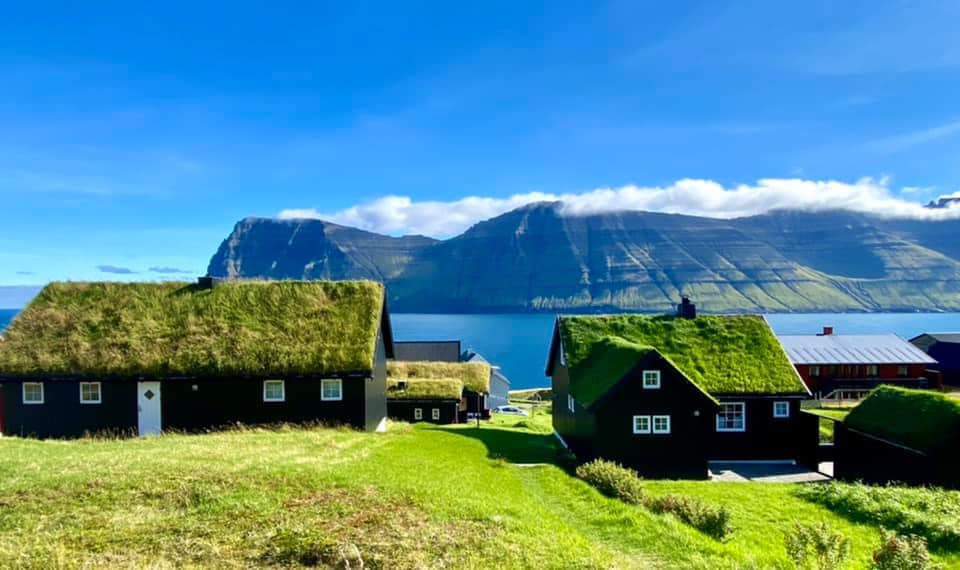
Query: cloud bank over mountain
[402, 215]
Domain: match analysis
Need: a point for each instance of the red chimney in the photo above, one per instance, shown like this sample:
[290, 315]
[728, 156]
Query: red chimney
[827, 331]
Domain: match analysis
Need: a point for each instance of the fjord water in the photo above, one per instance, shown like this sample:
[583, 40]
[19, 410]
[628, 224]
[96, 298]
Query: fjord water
[518, 343]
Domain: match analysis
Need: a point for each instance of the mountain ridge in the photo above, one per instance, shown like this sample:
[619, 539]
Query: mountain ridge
[536, 258]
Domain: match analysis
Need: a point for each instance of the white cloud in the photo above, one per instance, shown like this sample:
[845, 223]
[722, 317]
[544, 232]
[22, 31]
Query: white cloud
[398, 215]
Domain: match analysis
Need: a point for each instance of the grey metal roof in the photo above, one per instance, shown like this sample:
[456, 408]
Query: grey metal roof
[431, 350]
[852, 349]
[945, 337]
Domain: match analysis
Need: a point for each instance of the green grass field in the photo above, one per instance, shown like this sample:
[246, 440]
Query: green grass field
[415, 497]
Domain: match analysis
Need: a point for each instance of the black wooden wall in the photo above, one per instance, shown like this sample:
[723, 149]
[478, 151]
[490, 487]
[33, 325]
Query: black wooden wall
[62, 414]
[403, 410]
[767, 437]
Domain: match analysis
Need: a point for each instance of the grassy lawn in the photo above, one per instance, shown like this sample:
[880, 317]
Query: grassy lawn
[416, 497]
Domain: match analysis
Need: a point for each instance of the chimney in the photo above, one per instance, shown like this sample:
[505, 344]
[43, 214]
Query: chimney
[686, 309]
[207, 282]
[827, 331]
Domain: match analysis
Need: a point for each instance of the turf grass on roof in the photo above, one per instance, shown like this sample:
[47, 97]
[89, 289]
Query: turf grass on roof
[424, 389]
[474, 375]
[919, 419]
[720, 354]
[255, 328]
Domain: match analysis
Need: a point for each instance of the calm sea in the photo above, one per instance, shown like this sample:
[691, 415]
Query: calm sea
[519, 343]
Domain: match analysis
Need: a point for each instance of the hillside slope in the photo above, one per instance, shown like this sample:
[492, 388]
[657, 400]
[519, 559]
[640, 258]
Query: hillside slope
[536, 258]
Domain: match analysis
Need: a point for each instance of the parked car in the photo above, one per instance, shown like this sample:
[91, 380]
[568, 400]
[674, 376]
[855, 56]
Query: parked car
[510, 410]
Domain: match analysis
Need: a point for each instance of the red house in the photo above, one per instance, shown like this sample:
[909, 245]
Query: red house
[830, 362]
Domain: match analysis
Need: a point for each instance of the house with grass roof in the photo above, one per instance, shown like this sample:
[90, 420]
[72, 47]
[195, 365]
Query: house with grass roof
[900, 435]
[141, 358]
[667, 394]
[436, 392]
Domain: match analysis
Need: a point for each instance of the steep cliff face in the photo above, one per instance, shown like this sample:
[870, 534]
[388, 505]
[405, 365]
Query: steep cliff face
[536, 258]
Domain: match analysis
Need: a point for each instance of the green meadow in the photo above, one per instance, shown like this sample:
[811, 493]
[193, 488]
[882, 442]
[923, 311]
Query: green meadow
[416, 497]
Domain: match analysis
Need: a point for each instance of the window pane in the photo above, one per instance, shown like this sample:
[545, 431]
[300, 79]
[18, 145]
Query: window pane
[331, 389]
[273, 390]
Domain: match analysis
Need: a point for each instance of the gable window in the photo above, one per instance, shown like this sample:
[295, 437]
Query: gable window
[274, 391]
[641, 424]
[732, 417]
[33, 392]
[903, 371]
[872, 370]
[661, 424]
[418, 413]
[435, 413]
[571, 404]
[815, 371]
[781, 409]
[651, 379]
[331, 390]
[89, 392]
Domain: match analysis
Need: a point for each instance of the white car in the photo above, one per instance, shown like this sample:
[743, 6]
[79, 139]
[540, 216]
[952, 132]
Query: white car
[510, 410]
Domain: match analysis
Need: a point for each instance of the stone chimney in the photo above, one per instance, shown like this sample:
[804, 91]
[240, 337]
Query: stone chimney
[827, 331]
[208, 282]
[686, 309]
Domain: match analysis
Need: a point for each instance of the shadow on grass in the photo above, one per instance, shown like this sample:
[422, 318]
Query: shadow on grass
[516, 446]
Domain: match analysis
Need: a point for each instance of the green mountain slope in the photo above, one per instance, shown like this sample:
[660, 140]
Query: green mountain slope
[536, 258]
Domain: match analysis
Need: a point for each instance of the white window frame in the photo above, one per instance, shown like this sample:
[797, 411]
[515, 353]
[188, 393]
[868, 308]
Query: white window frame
[23, 389]
[418, 414]
[660, 431]
[642, 430]
[328, 381]
[815, 371]
[906, 371]
[654, 374]
[776, 413]
[571, 404]
[283, 391]
[99, 393]
[873, 371]
[743, 413]
[435, 414]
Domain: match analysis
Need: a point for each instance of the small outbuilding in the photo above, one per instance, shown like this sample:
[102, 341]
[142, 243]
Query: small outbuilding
[899, 435]
[141, 358]
[944, 348]
[499, 383]
[667, 394]
[436, 392]
[427, 350]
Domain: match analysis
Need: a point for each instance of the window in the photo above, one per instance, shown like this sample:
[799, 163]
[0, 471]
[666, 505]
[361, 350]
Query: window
[32, 392]
[732, 417]
[89, 392]
[418, 413]
[781, 409]
[571, 404]
[435, 413]
[815, 371]
[273, 391]
[872, 370]
[331, 390]
[903, 371]
[641, 424]
[661, 424]
[651, 379]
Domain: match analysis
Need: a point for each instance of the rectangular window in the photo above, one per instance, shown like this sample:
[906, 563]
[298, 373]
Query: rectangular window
[872, 371]
[781, 409]
[89, 392]
[815, 371]
[651, 379]
[732, 417]
[274, 391]
[903, 371]
[331, 390]
[435, 413]
[418, 413]
[661, 424]
[33, 392]
[641, 424]
[571, 404]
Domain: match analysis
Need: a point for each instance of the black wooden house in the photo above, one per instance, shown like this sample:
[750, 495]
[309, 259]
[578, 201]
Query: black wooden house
[142, 358]
[944, 348]
[436, 392]
[665, 395]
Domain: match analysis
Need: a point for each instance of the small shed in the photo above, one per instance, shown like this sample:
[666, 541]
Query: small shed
[447, 387]
[900, 435]
[499, 383]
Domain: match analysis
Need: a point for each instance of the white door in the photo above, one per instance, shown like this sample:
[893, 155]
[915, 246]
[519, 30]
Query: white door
[148, 408]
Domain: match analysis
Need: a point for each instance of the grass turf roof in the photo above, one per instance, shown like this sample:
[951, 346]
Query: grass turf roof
[425, 389]
[720, 354]
[919, 419]
[257, 328]
[475, 376]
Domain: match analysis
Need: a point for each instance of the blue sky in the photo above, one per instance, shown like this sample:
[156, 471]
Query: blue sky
[132, 137]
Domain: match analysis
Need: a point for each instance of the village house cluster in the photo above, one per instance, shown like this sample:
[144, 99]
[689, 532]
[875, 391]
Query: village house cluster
[665, 395]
